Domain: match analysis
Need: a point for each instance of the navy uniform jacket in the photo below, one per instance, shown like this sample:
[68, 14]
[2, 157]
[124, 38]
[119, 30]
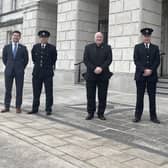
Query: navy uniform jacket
[44, 60]
[92, 59]
[15, 65]
[143, 59]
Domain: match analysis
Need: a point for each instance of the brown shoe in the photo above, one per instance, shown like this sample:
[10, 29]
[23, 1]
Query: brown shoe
[18, 110]
[5, 110]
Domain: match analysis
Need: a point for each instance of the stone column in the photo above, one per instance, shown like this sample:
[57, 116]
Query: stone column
[30, 16]
[47, 19]
[37, 16]
[124, 26]
[77, 23]
[0, 6]
[151, 17]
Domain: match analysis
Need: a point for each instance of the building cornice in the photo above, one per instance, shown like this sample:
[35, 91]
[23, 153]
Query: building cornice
[11, 22]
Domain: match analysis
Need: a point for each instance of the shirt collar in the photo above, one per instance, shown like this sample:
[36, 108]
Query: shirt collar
[13, 43]
[147, 44]
[43, 45]
[100, 46]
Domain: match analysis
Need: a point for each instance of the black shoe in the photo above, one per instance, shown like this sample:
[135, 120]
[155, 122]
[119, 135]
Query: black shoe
[89, 117]
[156, 121]
[101, 117]
[136, 120]
[33, 112]
[48, 113]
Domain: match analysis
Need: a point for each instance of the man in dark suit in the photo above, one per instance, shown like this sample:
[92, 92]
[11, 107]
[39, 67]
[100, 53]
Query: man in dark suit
[147, 60]
[15, 59]
[97, 58]
[44, 56]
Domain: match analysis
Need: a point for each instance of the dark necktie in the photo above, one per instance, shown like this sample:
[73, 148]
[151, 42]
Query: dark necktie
[146, 45]
[43, 46]
[147, 48]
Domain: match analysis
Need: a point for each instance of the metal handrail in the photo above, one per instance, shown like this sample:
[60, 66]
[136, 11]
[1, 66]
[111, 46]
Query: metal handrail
[78, 63]
[81, 62]
[161, 60]
[79, 71]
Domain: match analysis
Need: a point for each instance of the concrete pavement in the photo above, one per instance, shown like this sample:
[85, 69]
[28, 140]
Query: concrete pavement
[33, 141]
[66, 140]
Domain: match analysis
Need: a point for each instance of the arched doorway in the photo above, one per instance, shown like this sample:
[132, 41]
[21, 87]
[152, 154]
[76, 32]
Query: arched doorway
[100, 24]
[103, 18]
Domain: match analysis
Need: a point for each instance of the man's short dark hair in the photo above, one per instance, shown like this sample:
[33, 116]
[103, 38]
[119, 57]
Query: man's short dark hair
[16, 31]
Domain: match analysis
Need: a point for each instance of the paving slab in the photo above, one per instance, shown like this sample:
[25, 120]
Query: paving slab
[66, 139]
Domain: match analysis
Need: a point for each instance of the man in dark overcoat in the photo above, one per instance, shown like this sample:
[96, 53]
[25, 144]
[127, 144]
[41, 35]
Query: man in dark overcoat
[97, 58]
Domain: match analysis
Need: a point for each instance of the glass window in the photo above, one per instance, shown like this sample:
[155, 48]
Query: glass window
[1, 6]
[9, 37]
[14, 4]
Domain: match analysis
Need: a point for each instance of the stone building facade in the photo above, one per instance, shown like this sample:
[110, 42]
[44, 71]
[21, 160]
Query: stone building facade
[72, 24]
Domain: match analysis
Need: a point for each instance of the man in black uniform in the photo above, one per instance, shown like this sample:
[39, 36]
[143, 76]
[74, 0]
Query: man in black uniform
[44, 56]
[97, 58]
[147, 60]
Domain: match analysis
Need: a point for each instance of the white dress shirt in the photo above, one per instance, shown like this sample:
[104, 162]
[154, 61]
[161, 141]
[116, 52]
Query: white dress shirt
[13, 45]
[147, 45]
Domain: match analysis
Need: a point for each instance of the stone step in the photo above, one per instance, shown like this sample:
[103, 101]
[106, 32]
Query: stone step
[162, 85]
[162, 91]
[163, 80]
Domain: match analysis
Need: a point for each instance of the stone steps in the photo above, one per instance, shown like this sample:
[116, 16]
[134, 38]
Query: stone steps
[162, 86]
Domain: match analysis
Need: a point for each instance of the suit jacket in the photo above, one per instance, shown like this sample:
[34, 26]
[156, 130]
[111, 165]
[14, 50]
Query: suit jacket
[15, 65]
[92, 59]
[146, 58]
[44, 60]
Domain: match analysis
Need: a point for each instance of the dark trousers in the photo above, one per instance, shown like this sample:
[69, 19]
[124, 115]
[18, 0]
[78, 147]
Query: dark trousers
[19, 80]
[151, 90]
[37, 88]
[91, 87]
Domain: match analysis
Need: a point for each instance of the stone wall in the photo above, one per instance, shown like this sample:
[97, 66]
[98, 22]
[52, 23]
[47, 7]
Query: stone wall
[9, 21]
[151, 17]
[72, 24]
[77, 23]
[37, 16]
[124, 26]
[30, 16]
[3, 39]
[125, 20]
[47, 20]
[66, 33]
[7, 5]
